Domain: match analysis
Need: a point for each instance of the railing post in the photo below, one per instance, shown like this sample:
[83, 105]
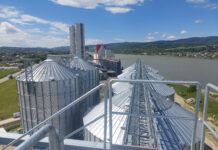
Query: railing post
[204, 120]
[198, 86]
[204, 117]
[55, 140]
[105, 116]
[110, 113]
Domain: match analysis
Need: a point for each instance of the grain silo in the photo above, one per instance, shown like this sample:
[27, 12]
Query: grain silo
[50, 87]
[90, 79]
[143, 132]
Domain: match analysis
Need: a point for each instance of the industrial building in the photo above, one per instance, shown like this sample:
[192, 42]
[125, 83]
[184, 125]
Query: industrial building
[149, 98]
[77, 40]
[53, 84]
[112, 64]
[102, 52]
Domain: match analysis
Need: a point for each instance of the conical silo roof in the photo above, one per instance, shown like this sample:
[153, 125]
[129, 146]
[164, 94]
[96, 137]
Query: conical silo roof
[80, 64]
[48, 70]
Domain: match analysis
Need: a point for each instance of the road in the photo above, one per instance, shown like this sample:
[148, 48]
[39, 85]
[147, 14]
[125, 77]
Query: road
[6, 78]
[8, 122]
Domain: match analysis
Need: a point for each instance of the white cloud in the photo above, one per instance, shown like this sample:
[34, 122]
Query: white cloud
[59, 25]
[93, 41]
[211, 6]
[18, 21]
[91, 4]
[150, 38]
[196, 1]
[113, 6]
[8, 12]
[198, 21]
[34, 30]
[183, 32]
[29, 18]
[203, 4]
[156, 32]
[7, 28]
[11, 35]
[119, 39]
[163, 35]
[149, 34]
[115, 10]
[171, 37]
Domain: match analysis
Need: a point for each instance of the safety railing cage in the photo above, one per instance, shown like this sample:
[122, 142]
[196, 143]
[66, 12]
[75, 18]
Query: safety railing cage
[108, 98]
[209, 87]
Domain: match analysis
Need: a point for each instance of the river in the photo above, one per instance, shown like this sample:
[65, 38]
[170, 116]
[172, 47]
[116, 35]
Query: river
[178, 68]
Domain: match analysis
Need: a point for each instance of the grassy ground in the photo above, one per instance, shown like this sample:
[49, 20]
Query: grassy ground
[4, 73]
[212, 105]
[13, 127]
[8, 99]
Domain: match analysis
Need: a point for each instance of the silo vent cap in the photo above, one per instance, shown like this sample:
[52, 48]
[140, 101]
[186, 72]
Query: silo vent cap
[52, 79]
[49, 59]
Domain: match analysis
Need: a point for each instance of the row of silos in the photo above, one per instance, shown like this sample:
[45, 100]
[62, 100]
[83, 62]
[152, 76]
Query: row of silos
[50, 86]
[89, 76]
[173, 134]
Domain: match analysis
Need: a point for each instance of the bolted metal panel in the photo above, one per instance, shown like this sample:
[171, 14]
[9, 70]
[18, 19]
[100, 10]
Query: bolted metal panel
[53, 87]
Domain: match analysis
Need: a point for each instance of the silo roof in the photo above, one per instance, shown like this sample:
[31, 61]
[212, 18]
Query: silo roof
[80, 64]
[48, 70]
[172, 133]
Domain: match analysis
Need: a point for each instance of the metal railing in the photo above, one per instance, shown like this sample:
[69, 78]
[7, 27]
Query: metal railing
[209, 87]
[66, 108]
[55, 143]
[195, 119]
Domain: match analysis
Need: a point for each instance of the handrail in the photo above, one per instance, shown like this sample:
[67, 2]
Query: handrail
[198, 85]
[55, 143]
[207, 90]
[96, 119]
[57, 113]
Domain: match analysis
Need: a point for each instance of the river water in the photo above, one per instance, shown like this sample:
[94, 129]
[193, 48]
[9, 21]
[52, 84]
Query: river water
[178, 68]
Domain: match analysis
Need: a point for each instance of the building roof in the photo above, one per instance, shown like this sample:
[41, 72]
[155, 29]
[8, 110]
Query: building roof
[48, 70]
[80, 64]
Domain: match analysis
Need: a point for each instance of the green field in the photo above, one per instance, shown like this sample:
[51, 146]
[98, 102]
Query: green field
[212, 105]
[8, 99]
[4, 72]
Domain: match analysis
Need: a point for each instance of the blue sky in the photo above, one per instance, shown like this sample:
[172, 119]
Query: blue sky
[44, 23]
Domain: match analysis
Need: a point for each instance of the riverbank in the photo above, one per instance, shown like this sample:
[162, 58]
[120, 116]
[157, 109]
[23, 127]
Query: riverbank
[176, 56]
[210, 140]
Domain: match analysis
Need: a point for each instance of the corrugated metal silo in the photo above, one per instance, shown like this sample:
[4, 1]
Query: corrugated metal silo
[90, 79]
[52, 87]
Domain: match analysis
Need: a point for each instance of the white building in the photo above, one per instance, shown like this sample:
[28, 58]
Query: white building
[100, 52]
[77, 40]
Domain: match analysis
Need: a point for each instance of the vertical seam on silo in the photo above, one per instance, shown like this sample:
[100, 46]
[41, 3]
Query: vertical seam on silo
[65, 114]
[71, 114]
[43, 102]
[25, 107]
[21, 104]
[30, 106]
[37, 117]
[59, 116]
[52, 120]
